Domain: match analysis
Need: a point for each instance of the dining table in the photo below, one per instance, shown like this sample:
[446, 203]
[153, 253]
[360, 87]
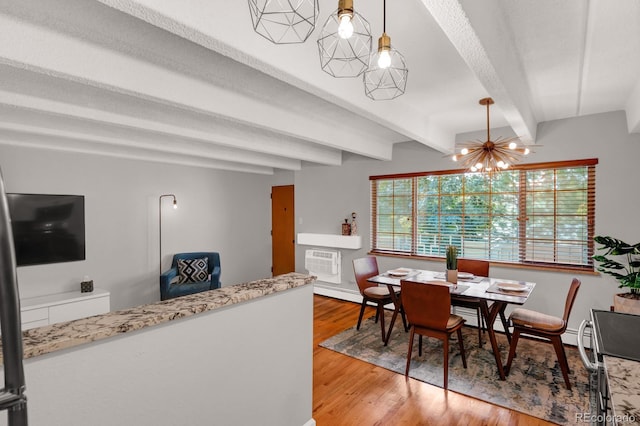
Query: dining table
[492, 294]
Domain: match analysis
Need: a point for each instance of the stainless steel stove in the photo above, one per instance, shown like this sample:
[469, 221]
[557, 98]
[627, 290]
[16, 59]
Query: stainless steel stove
[612, 334]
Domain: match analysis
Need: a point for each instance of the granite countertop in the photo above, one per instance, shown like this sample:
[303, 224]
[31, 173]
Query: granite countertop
[50, 338]
[624, 386]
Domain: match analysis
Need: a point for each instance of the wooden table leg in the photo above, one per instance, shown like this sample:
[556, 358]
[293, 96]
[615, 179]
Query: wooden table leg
[490, 316]
[397, 304]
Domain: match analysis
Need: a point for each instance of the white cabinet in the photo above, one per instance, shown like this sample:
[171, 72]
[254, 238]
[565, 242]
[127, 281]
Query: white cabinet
[54, 308]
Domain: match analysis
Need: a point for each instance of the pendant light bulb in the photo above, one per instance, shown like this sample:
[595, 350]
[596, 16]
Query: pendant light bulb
[384, 48]
[345, 29]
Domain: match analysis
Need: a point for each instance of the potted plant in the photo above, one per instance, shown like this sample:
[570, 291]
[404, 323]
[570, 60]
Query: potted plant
[621, 261]
[452, 264]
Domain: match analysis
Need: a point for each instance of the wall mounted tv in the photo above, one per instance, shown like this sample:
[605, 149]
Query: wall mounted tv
[47, 228]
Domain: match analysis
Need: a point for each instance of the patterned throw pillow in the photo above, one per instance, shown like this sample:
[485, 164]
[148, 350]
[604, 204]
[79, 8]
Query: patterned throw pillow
[193, 270]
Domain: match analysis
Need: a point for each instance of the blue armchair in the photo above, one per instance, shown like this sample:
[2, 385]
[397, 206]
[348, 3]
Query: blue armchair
[170, 289]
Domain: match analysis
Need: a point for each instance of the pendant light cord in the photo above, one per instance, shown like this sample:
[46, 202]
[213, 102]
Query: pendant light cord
[488, 126]
[384, 16]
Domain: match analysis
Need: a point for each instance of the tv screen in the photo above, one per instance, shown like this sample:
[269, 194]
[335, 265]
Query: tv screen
[47, 228]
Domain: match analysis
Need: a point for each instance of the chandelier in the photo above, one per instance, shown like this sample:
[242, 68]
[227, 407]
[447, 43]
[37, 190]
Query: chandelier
[489, 156]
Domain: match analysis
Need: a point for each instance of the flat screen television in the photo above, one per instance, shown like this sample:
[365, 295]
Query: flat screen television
[47, 228]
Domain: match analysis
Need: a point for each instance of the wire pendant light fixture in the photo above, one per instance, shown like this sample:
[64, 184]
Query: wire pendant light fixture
[284, 21]
[489, 156]
[344, 43]
[386, 76]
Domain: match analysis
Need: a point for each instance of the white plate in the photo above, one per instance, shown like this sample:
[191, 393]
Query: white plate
[512, 287]
[400, 272]
[465, 275]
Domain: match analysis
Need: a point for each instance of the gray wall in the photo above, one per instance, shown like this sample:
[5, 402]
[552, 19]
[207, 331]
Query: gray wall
[219, 211]
[327, 195]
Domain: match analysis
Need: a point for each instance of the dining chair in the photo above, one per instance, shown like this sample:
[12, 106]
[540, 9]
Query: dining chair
[544, 326]
[428, 310]
[365, 268]
[479, 268]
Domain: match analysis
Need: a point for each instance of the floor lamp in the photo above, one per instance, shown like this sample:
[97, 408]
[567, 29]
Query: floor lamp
[175, 206]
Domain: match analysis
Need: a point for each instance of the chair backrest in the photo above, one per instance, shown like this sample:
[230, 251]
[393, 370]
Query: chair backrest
[571, 297]
[479, 268]
[213, 258]
[364, 268]
[426, 305]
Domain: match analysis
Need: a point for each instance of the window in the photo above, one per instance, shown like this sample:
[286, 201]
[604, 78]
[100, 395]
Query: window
[541, 214]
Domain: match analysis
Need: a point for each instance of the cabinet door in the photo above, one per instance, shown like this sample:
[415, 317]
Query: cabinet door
[78, 309]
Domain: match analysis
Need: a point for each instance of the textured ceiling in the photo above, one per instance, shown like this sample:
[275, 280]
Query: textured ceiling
[191, 83]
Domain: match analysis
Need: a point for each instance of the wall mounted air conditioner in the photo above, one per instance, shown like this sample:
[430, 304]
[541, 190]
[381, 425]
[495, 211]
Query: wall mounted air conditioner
[324, 264]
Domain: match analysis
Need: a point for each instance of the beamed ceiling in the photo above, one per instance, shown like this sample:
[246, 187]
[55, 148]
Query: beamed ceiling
[190, 82]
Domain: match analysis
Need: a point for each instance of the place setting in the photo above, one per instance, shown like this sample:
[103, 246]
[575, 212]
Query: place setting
[510, 288]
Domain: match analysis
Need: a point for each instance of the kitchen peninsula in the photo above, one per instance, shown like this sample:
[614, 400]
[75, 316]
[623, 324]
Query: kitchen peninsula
[241, 354]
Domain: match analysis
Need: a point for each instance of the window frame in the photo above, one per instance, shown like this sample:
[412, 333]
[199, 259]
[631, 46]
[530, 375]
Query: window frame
[522, 192]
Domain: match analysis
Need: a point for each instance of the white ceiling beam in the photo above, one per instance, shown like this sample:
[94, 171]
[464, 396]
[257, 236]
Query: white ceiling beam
[155, 143]
[222, 134]
[476, 29]
[77, 60]
[55, 143]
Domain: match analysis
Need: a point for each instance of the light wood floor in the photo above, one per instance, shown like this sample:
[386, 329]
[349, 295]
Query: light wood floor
[349, 392]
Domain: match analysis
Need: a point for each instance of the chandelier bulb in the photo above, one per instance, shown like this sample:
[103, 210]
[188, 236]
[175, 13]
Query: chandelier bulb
[500, 164]
[345, 29]
[473, 169]
[526, 151]
[464, 151]
[513, 145]
[384, 60]
[454, 158]
[479, 166]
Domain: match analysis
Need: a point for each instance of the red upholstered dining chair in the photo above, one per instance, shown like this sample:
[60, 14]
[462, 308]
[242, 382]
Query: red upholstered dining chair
[548, 327]
[364, 268]
[428, 310]
[479, 268]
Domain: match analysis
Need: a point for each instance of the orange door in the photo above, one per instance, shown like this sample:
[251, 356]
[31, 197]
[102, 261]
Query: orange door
[283, 245]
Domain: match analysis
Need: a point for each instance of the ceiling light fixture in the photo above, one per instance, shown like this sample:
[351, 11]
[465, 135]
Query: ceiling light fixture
[386, 76]
[489, 156]
[345, 42]
[284, 21]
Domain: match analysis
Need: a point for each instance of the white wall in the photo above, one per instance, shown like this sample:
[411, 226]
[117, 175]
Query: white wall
[327, 195]
[220, 211]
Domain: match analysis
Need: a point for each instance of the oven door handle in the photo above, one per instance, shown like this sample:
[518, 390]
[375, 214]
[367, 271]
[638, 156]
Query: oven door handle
[591, 366]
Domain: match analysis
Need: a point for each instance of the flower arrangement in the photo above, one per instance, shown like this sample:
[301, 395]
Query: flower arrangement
[452, 258]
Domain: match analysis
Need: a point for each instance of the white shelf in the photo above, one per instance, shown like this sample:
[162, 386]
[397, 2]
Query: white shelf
[330, 240]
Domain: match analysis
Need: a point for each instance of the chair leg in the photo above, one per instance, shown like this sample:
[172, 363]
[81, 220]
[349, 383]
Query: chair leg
[479, 327]
[404, 319]
[419, 344]
[406, 371]
[445, 346]
[362, 306]
[462, 352]
[381, 315]
[562, 359]
[512, 349]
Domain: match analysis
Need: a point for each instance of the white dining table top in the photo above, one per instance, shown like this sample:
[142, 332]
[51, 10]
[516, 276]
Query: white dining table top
[476, 287]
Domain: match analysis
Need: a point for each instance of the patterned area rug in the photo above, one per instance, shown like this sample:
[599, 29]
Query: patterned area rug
[534, 386]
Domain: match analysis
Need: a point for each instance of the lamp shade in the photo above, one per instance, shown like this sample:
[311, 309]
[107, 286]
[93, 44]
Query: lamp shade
[284, 21]
[386, 76]
[345, 55]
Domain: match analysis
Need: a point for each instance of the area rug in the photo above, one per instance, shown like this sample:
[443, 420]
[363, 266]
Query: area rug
[534, 386]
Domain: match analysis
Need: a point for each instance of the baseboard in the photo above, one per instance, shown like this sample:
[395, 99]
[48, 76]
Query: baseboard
[570, 337]
[311, 422]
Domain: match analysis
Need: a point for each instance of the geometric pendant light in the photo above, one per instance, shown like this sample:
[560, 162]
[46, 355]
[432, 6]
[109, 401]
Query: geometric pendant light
[284, 21]
[344, 43]
[386, 76]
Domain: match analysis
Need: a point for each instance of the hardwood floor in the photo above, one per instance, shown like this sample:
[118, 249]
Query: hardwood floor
[349, 392]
